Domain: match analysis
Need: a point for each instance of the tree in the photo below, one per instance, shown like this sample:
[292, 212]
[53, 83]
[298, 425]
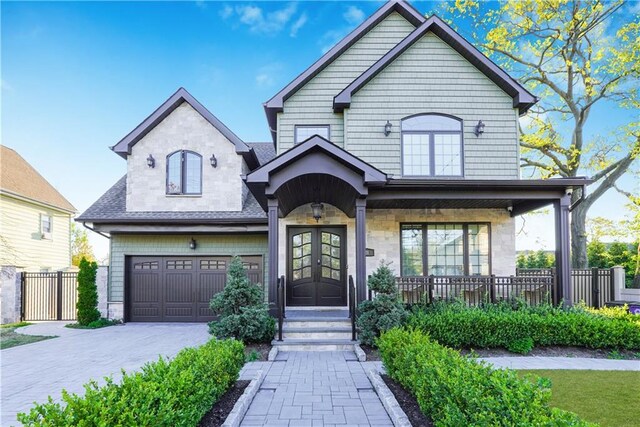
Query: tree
[80, 246]
[574, 55]
[87, 305]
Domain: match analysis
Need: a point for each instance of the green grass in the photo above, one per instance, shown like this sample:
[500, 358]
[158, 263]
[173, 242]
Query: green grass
[609, 398]
[10, 338]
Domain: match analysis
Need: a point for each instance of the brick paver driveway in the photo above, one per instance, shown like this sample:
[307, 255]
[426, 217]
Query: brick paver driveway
[34, 371]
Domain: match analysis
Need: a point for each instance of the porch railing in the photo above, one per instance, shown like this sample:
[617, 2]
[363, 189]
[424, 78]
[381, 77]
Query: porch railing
[353, 309]
[475, 290]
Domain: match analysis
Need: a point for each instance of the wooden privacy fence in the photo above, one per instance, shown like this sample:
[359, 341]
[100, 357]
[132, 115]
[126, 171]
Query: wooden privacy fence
[593, 286]
[49, 296]
[475, 290]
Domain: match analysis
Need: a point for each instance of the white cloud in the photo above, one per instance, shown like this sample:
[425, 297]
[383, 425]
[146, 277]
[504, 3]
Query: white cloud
[226, 11]
[266, 76]
[202, 4]
[353, 15]
[302, 19]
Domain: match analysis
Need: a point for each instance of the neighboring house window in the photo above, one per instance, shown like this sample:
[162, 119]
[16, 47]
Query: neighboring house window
[304, 132]
[184, 173]
[445, 249]
[45, 226]
[431, 145]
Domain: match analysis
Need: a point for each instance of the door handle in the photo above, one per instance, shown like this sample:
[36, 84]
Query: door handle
[318, 261]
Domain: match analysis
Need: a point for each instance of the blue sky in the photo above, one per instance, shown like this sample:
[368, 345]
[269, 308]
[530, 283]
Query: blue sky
[77, 77]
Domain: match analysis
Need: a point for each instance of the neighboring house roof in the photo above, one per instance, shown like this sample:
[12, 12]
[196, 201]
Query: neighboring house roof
[19, 178]
[276, 103]
[123, 147]
[264, 150]
[111, 209]
[522, 98]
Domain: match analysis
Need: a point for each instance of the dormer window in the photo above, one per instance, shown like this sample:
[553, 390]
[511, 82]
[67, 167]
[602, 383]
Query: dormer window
[304, 132]
[184, 173]
[431, 145]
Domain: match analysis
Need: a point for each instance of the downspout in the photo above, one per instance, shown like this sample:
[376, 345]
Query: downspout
[84, 224]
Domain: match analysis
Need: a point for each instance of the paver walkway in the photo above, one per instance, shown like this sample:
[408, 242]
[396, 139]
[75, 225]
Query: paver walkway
[577, 363]
[314, 389]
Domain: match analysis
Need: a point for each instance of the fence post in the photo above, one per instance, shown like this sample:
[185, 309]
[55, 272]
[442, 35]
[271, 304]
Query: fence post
[617, 283]
[492, 289]
[430, 281]
[554, 291]
[595, 287]
[59, 295]
[23, 295]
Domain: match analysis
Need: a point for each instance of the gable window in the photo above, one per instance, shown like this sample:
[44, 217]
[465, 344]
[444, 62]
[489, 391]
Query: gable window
[445, 249]
[304, 132]
[431, 145]
[184, 173]
[45, 226]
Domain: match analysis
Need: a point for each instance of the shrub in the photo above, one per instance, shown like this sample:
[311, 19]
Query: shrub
[240, 305]
[521, 345]
[385, 311]
[164, 393]
[501, 325]
[457, 391]
[87, 305]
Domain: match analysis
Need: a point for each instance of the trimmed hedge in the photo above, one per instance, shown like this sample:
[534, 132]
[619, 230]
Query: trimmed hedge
[165, 393]
[491, 326]
[458, 391]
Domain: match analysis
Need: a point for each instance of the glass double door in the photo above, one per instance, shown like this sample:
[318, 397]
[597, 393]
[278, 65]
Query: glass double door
[316, 266]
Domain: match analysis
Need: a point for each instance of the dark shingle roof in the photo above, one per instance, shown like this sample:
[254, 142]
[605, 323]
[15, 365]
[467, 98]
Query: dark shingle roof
[111, 208]
[265, 151]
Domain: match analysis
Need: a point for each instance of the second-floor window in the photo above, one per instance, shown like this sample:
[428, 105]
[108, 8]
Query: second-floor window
[184, 173]
[304, 132]
[431, 145]
[45, 226]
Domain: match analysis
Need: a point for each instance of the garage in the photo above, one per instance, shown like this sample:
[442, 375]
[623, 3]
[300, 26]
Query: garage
[178, 289]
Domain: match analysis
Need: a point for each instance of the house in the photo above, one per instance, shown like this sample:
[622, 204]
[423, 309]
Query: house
[35, 219]
[400, 144]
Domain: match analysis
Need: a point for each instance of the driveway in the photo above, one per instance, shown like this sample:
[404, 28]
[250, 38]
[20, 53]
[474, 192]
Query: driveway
[34, 371]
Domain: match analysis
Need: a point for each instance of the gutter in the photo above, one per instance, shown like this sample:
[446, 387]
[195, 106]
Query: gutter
[583, 194]
[84, 224]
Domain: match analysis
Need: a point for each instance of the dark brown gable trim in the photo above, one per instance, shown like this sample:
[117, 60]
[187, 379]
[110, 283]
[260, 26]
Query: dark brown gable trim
[276, 103]
[123, 147]
[522, 98]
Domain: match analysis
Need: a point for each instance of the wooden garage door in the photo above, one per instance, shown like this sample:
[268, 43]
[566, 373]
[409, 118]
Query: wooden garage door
[178, 289]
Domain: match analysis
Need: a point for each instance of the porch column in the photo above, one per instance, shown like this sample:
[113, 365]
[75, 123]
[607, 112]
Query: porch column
[361, 246]
[563, 252]
[272, 215]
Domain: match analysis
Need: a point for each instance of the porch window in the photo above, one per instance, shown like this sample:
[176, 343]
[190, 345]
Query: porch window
[184, 173]
[445, 249]
[431, 145]
[304, 132]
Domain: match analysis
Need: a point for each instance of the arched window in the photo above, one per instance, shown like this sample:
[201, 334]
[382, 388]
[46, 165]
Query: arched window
[431, 145]
[184, 173]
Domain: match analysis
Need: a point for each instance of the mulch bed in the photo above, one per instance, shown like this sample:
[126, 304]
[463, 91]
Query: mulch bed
[408, 403]
[261, 349]
[221, 409]
[373, 355]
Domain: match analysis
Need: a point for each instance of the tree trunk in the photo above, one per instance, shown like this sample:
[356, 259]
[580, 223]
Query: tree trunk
[579, 236]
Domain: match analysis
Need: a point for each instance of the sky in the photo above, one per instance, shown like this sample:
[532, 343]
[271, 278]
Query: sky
[77, 77]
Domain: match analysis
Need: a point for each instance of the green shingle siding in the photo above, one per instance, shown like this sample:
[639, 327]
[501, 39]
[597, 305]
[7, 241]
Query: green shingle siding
[174, 245]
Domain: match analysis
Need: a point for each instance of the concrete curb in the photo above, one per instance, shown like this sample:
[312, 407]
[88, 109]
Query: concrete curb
[360, 354]
[272, 354]
[242, 405]
[397, 415]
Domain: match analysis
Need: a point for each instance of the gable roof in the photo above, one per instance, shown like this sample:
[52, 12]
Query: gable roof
[123, 147]
[276, 103]
[522, 98]
[19, 178]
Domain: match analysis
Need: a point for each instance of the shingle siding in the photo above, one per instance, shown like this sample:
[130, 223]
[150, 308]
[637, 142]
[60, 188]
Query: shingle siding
[175, 245]
[313, 103]
[431, 77]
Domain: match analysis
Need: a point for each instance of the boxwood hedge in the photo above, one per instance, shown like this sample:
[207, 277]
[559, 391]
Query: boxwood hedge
[459, 326]
[458, 391]
[174, 392]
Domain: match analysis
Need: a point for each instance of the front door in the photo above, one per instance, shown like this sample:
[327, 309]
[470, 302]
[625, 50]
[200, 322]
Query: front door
[316, 261]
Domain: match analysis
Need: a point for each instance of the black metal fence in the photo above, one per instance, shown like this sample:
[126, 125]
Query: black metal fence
[49, 296]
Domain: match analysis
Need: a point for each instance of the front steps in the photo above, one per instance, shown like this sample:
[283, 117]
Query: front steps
[316, 330]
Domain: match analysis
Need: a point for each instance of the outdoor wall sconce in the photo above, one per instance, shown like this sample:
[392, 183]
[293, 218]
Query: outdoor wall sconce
[317, 209]
[151, 162]
[193, 244]
[387, 128]
[213, 161]
[479, 130]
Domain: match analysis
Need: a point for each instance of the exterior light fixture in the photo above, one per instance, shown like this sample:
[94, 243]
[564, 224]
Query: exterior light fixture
[213, 161]
[193, 244]
[317, 209]
[479, 130]
[387, 128]
[151, 162]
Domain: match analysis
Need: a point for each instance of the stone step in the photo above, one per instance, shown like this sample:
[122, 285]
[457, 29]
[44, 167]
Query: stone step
[316, 323]
[316, 333]
[315, 345]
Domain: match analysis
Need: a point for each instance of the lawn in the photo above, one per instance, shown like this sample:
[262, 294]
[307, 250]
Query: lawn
[609, 398]
[10, 338]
